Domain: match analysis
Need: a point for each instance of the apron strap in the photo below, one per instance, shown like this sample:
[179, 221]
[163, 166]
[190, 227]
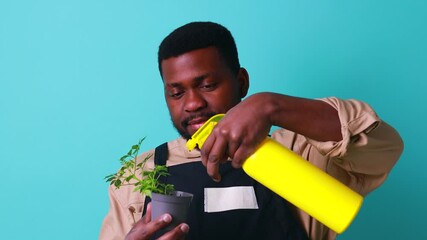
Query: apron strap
[161, 154]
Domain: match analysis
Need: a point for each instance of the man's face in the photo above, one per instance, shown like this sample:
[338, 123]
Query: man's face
[198, 85]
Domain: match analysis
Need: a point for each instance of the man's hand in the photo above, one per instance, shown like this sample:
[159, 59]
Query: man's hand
[237, 135]
[145, 228]
[248, 123]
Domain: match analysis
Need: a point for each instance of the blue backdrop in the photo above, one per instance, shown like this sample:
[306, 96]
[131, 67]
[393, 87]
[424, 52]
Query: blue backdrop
[79, 84]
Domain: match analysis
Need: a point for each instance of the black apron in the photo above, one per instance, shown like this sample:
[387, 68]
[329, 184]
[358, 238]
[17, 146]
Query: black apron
[273, 220]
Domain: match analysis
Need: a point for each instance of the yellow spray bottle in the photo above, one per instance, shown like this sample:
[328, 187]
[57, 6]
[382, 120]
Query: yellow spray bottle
[295, 179]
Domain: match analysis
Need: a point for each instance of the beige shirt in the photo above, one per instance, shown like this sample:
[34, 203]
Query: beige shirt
[362, 161]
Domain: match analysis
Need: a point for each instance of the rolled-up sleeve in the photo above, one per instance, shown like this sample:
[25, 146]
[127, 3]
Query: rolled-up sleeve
[368, 150]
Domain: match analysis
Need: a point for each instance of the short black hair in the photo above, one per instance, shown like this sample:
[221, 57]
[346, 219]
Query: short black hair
[198, 35]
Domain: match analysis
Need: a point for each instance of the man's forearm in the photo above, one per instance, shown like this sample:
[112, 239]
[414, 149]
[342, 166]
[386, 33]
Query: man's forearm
[312, 118]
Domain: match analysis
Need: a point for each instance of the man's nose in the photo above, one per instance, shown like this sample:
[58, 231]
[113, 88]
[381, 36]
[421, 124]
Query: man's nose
[194, 101]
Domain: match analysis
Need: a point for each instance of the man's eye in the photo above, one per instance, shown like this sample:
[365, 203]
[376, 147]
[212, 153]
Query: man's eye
[208, 86]
[175, 94]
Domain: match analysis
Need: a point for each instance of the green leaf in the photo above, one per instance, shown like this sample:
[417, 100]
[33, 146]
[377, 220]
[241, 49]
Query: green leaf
[109, 176]
[129, 178]
[118, 183]
[110, 179]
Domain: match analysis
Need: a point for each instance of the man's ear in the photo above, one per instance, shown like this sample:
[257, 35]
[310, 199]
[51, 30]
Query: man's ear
[243, 79]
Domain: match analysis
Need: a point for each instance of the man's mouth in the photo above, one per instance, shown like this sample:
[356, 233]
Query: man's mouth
[193, 123]
[196, 123]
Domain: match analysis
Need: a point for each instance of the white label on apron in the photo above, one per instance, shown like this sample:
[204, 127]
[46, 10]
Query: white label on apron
[230, 198]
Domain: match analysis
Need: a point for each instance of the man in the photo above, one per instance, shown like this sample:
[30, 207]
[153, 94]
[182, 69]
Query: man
[199, 65]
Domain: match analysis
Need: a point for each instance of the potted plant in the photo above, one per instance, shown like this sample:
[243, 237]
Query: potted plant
[163, 196]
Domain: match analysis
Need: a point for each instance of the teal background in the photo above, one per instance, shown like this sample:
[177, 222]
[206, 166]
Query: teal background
[79, 84]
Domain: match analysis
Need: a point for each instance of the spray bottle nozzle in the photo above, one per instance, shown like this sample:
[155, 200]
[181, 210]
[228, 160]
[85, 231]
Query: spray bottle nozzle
[200, 136]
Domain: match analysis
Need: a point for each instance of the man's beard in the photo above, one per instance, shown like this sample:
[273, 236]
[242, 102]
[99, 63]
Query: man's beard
[184, 123]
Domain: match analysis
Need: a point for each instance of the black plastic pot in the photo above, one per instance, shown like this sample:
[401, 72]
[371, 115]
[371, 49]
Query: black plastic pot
[176, 205]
